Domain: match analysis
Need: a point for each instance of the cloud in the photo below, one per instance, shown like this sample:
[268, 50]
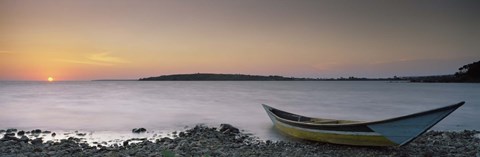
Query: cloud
[84, 62]
[106, 58]
[102, 59]
[5, 52]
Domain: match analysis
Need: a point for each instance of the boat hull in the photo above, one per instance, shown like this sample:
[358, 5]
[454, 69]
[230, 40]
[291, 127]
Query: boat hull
[345, 138]
[390, 132]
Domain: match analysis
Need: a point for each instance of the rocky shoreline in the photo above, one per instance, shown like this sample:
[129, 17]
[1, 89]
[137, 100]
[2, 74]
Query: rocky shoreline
[229, 141]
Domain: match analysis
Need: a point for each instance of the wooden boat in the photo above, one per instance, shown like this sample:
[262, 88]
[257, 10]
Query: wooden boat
[389, 132]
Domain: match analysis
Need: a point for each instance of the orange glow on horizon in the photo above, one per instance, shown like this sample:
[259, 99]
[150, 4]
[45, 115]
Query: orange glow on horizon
[50, 79]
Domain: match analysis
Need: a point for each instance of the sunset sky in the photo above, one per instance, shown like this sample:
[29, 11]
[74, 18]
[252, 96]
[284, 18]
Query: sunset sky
[104, 39]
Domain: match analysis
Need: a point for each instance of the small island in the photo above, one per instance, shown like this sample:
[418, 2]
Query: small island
[221, 77]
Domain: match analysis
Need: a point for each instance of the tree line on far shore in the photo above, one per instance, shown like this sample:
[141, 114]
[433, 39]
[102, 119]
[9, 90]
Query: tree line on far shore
[467, 73]
[219, 77]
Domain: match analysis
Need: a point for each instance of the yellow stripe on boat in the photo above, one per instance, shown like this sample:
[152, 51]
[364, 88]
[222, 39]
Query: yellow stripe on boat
[337, 138]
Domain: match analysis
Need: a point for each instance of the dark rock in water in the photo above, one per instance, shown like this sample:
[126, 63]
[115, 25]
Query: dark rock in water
[2, 131]
[139, 130]
[9, 136]
[37, 141]
[125, 143]
[74, 139]
[46, 132]
[36, 131]
[11, 130]
[81, 134]
[227, 128]
[24, 139]
[21, 133]
[54, 134]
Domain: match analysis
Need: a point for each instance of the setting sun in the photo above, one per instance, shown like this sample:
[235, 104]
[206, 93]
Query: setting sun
[50, 79]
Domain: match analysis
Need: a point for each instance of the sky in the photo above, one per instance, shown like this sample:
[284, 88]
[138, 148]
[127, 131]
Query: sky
[130, 39]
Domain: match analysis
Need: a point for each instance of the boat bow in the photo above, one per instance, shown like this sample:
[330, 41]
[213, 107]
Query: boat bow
[403, 130]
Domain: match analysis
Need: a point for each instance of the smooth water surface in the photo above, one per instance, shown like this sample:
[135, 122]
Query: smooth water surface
[172, 105]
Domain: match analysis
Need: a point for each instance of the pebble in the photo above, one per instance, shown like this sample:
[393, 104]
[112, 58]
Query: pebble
[227, 128]
[37, 141]
[24, 139]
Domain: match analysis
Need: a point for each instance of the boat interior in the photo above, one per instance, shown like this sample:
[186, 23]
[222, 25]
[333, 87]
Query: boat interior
[304, 119]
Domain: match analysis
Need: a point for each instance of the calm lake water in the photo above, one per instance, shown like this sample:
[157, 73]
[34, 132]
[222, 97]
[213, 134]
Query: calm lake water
[119, 106]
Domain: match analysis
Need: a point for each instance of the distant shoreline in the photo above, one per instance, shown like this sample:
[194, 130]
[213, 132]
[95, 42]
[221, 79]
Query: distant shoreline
[469, 73]
[244, 77]
[116, 80]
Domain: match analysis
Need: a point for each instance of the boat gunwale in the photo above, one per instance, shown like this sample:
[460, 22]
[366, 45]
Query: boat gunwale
[457, 105]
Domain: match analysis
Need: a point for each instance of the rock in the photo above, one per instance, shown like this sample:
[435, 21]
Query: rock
[125, 143]
[21, 133]
[111, 153]
[37, 141]
[445, 136]
[46, 132]
[54, 134]
[181, 134]
[37, 149]
[9, 134]
[9, 137]
[24, 139]
[81, 134]
[227, 128]
[11, 130]
[2, 131]
[165, 139]
[36, 131]
[84, 145]
[49, 143]
[139, 130]
[74, 139]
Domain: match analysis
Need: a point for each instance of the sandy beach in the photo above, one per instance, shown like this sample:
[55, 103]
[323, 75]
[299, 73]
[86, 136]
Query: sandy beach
[227, 140]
